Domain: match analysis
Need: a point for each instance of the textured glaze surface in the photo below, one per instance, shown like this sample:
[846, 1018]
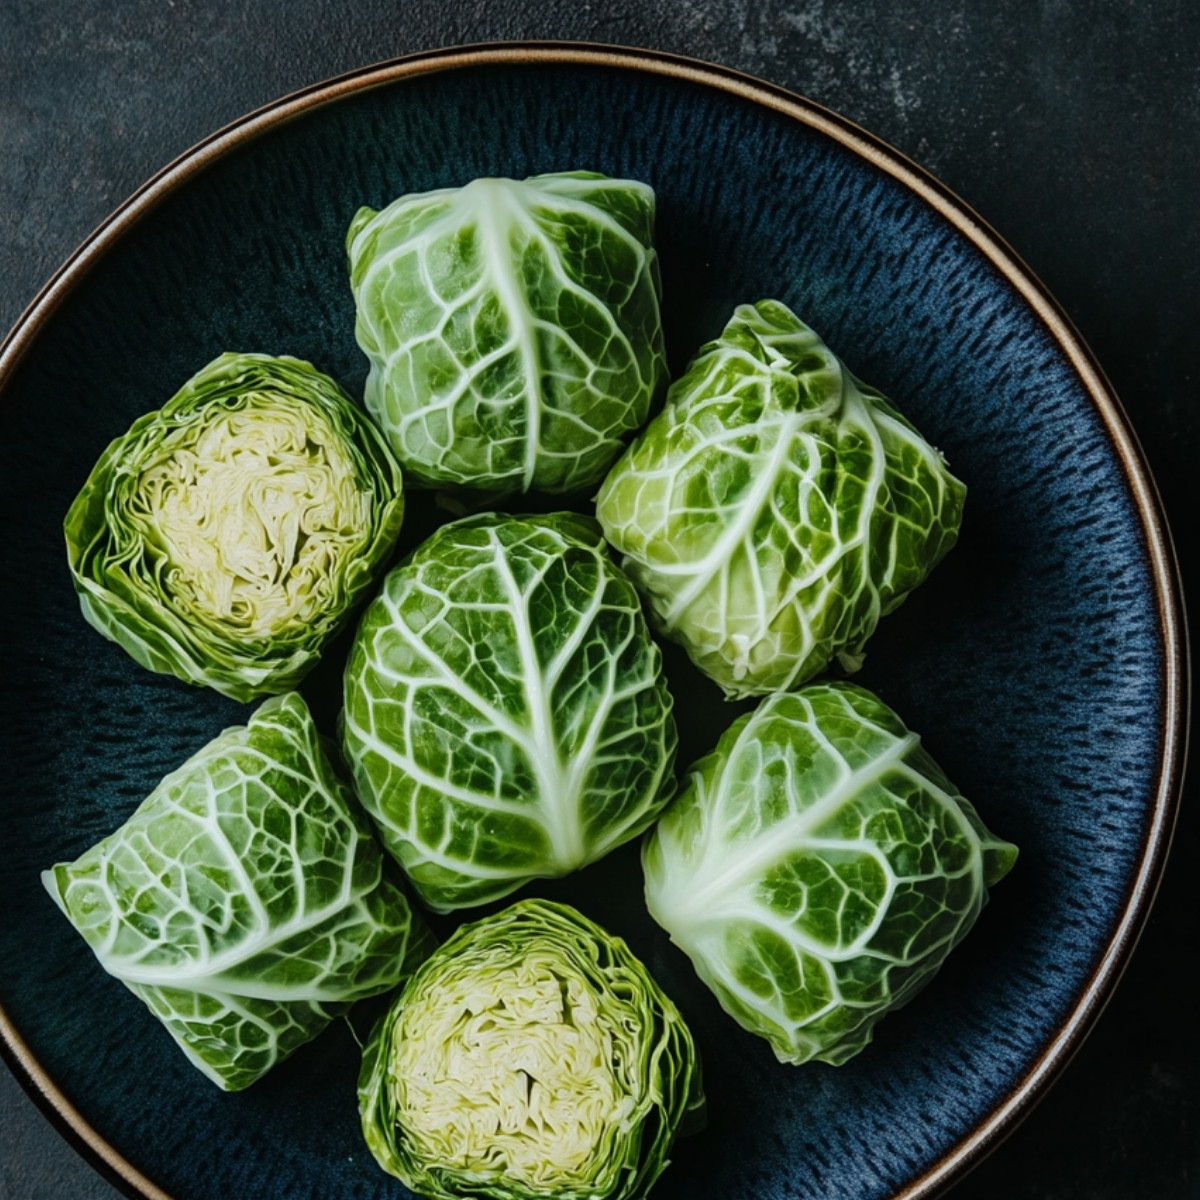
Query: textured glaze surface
[1031, 660]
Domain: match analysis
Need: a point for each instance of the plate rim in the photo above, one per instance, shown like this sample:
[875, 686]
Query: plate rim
[1023, 1096]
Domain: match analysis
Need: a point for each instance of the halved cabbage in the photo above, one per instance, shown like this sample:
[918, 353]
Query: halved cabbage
[226, 537]
[244, 901]
[532, 1055]
[818, 868]
[777, 507]
[512, 327]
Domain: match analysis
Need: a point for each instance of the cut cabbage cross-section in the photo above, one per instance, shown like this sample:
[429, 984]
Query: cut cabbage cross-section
[226, 537]
[531, 1056]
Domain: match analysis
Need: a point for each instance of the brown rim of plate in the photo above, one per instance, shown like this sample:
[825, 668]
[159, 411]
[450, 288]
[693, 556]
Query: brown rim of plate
[1173, 750]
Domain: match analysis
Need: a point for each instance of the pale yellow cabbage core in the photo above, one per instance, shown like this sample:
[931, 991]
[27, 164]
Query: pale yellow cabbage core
[253, 515]
[510, 1074]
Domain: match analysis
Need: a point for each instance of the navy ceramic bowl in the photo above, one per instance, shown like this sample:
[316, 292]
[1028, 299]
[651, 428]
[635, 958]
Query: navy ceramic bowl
[1043, 662]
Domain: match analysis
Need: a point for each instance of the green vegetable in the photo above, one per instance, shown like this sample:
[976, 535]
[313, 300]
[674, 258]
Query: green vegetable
[817, 869]
[531, 1056]
[227, 536]
[244, 900]
[512, 327]
[505, 714]
[777, 507]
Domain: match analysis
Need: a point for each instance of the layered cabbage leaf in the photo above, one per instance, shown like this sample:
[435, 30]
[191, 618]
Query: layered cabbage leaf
[777, 507]
[817, 868]
[531, 1056]
[512, 328]
[506, 717]
[244, 901]
[227, 536]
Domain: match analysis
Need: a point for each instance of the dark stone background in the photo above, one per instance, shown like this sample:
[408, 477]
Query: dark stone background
[1072, 126]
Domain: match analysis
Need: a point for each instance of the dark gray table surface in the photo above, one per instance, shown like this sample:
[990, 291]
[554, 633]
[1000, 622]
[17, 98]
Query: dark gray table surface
[1072, 126]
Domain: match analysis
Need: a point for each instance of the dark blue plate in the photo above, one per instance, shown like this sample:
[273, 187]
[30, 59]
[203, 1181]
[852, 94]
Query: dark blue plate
[1044, 661]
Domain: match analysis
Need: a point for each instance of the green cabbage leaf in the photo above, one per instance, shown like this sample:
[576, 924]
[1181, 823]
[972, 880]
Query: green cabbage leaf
[817, 868]
[777, 507]
[512, 328]
[505, 713]
[227, 536]
[244, 901]
[531, 1056]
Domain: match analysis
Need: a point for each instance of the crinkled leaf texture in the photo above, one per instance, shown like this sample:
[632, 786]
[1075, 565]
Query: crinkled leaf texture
[226, 537]
[531, 1056]
[777, 507]
[817, 869]
[244, 901]
[505, 713]
[512, 327]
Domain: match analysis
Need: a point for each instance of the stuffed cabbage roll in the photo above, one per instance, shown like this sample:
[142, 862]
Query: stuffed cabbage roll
[512, 328]
[777, 507]
[244, 901]
[506, 717]
[818, 868]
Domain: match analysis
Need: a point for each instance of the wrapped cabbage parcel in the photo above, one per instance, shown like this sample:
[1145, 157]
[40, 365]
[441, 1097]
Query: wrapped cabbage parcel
[531, 1056]
[512, 327]
[226, 537]
[777, 507]
[244, 901]
[818, 868]
[505, 712]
